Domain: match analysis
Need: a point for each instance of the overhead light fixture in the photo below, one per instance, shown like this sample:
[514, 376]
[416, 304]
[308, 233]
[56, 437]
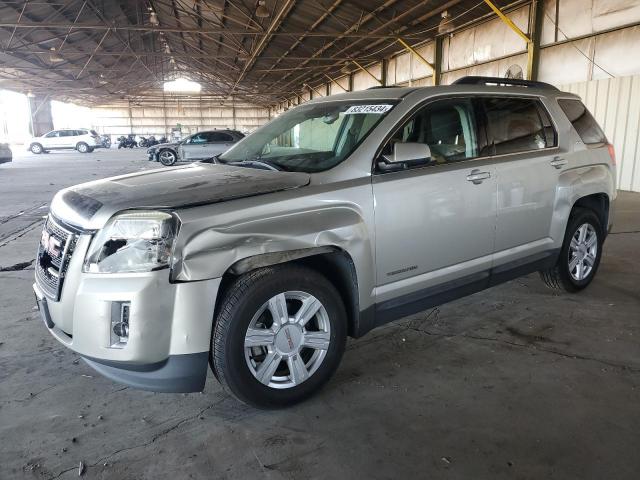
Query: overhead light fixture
[166, 48]
[262, 11]
[54, 56]
[182, 85]
[153, 19]
[446, 24]
[30, 94]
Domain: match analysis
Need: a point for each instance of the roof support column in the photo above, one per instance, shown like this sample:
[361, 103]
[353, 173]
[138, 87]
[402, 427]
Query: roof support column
[437, 72]
[536, 17]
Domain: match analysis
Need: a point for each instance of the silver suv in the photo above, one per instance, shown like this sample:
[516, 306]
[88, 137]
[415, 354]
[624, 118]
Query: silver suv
[199, 146]
[336, 217]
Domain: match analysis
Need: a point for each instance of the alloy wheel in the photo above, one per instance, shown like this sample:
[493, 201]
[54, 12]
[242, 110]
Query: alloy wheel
[583, 251]
[167, 157]
[287, 339]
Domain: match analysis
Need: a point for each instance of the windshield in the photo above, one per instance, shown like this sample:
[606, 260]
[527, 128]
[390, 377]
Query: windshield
[310, 138]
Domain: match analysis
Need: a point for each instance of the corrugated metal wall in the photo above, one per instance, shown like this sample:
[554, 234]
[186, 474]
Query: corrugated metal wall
[193, 115]
[615, 102]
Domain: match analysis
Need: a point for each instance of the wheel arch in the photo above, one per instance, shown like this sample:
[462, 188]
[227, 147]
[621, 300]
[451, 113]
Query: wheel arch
[599, 204]
[332, 262]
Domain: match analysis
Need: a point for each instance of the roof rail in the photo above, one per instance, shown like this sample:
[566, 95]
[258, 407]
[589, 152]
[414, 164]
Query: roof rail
[503, 82]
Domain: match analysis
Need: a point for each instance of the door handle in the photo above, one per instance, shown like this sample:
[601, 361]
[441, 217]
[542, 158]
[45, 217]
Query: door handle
[558, 162]
[476, 176]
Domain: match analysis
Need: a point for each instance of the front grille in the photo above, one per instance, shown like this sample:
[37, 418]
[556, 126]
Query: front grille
[54, 253]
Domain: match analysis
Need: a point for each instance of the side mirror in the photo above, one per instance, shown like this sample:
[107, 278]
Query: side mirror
[409, 152]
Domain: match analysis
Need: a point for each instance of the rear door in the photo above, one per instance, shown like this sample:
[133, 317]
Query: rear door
[68, 138]
[435, 222]
[524, 142]
[219, 142]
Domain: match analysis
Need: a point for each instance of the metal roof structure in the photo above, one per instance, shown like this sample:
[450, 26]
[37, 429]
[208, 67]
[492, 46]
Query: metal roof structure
[94, 51]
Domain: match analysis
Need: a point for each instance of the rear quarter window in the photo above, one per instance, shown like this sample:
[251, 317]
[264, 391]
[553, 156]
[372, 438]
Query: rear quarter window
[582, 120]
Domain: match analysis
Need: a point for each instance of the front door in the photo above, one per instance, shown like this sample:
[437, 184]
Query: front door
[194, 147]
[435, 222]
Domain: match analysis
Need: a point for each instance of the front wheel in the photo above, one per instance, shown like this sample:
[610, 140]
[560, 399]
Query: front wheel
[36, 148]
[279, 335]
[167, 158]
[580, 254]
[82, 147]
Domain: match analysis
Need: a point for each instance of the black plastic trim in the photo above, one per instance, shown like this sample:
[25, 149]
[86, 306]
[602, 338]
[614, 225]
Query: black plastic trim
[409, 304]
[177, 374]
[500, 81]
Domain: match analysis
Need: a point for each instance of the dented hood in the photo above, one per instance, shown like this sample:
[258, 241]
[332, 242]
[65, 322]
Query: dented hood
[90, 205]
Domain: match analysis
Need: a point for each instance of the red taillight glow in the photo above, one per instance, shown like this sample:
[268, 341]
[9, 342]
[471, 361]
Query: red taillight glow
[612, 153]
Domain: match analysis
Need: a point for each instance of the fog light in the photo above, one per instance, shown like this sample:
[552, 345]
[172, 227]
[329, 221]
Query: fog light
[119, 333]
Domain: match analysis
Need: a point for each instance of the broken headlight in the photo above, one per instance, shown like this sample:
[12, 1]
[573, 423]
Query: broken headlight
[140, 241]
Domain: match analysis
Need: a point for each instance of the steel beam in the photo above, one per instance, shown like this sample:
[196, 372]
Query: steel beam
[507, 21]
[275, 24]
[414, 52]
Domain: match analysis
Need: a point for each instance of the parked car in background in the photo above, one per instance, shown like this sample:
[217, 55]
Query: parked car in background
[198, 146]
[83, 140]
[6, 155]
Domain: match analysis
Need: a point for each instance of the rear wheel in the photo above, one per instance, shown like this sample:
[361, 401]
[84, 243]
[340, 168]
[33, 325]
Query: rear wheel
[580, 254]
[36, 148]
[82, 147]
[167, 157]
[279, 336]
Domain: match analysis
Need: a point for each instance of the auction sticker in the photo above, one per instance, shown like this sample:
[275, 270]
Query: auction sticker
[380, 108]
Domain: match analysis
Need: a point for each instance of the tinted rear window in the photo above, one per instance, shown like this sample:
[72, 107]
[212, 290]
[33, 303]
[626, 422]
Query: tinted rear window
[582, 120]
[518, 125]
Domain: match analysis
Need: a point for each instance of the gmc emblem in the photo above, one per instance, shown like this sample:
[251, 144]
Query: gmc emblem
[50, 244]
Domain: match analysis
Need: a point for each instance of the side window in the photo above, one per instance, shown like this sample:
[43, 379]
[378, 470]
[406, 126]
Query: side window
[582, 120]
[219, 137]
[198, 138]
[448, 127]
[516, 125]
[81, 132]
[54, 134]
[67, 133]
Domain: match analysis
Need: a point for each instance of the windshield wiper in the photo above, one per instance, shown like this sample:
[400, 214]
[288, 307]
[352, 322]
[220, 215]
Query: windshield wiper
[263, 164]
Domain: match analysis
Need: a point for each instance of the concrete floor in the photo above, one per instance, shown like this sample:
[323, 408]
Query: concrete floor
[514, 382]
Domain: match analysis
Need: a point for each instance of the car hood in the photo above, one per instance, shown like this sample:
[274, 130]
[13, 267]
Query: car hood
[90, 205]
[161, 145]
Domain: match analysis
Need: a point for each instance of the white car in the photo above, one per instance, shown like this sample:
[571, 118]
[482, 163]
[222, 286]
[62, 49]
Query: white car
[83, 140]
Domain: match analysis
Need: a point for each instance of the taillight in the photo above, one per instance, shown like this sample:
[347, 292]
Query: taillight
[612, 153]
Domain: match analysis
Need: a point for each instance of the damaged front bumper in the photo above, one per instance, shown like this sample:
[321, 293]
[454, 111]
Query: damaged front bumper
[166, 344]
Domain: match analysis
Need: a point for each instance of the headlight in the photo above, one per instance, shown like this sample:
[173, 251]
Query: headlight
[137, 241]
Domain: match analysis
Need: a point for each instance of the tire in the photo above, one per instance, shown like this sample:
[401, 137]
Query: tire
[36, 148]
[83, 147]
[167, 157]
[580, 256]
[249, 302]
